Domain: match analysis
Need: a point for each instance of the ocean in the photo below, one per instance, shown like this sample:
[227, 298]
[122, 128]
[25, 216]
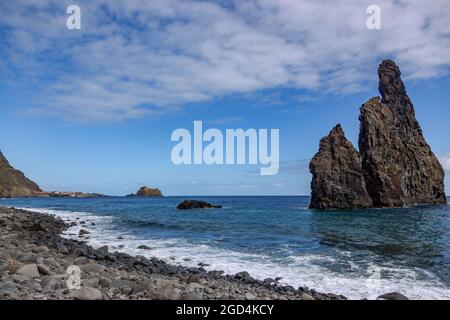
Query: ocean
[359, 254]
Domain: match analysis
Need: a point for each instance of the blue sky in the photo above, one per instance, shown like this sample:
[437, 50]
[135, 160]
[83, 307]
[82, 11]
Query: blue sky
[93, 109]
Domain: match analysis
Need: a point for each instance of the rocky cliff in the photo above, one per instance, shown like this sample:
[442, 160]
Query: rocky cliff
[396, 166]
[13, 183]
[338, 181]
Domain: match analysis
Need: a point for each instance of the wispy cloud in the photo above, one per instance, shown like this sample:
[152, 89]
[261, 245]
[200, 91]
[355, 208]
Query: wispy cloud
[140, 58]
[445, 162]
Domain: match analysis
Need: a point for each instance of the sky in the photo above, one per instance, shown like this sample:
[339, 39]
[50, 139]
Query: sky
[93, 109]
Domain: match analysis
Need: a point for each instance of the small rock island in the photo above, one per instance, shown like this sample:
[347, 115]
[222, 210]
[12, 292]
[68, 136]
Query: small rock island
[394, 167]
[147, 192]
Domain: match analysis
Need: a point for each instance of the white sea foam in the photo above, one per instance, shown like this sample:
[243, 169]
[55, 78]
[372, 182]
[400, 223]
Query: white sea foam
[297, 270]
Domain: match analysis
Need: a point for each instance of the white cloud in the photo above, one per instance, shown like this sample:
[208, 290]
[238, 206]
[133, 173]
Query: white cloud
[135, 58]
[445, 162]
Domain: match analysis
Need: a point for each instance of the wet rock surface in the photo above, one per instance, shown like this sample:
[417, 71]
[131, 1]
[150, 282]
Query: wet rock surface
[196, 204]
[392, 296]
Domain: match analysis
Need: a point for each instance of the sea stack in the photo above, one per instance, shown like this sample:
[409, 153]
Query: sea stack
[147, 192]
[397, 167]
[13, 183]
[338, 180]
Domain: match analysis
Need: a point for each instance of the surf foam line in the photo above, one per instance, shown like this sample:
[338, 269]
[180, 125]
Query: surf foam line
[298, 270]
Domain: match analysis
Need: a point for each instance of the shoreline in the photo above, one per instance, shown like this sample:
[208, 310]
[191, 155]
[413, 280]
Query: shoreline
[34, 258]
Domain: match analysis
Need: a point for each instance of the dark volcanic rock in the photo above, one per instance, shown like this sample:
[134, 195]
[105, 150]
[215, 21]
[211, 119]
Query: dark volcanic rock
[399, 167]
[147, 192]
[13, 183]
[338, 181]
[144, 247]
[196, 204]
[392, 296]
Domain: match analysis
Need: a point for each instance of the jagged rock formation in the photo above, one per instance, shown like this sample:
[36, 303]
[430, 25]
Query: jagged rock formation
[396, 166]
[399, 167]
[147, 192]
[338, 180]
[13, 183]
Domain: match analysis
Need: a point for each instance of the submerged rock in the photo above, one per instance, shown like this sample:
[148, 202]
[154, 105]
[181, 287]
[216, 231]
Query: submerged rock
[338, 180]
[395, 166]
[83, 232]
[392, 296]
[196, 204]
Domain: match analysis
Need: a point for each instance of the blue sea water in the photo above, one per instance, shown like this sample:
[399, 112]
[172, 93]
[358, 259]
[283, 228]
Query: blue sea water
[360, 254]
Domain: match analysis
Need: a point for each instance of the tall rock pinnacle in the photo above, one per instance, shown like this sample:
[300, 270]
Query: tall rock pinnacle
[397, 167]
[338, 181]
[392, 89]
